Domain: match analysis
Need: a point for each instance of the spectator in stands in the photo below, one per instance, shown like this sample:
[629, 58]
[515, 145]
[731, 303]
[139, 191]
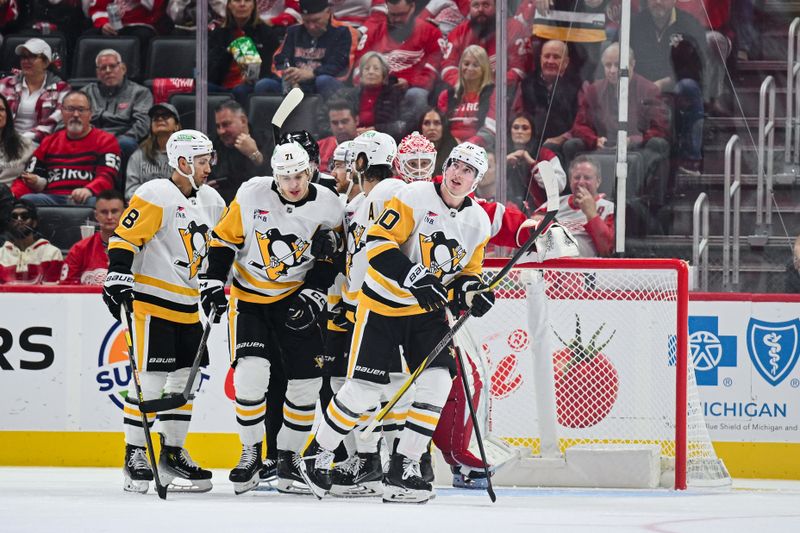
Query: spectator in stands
[479, 29]
[73, 165]
[446, 14]
[280, 14]
[313, 54]
[239, 155]
[343, 122]
[229, 68]
[119, 105]
[470, 105]
[15, 150]
[584, 212]
[35, 94]
[183, 14]
[139, 18]
[6, 202]
[597, 121]
[670, 48]
[44, 17]
[150, 162]
[9, 13]
[87, 260]
[411, 47]
[378, 97]
[26, 257]
[550, 95]
[435, 128]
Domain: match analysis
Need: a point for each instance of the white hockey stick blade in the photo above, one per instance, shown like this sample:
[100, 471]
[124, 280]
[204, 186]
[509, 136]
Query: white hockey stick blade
[545, 168]
[290, 102]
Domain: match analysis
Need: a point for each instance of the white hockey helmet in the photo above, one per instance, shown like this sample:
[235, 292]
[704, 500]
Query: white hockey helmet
[416, 158]
[343, 152]
[189, 144]
[379, 148]
[289, 158]
[472, 155]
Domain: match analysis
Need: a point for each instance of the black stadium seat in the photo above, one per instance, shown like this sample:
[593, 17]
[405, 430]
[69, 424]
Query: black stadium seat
[86, 50]
[184, 103]
[10, 60]
[170, 57]
[61, 225]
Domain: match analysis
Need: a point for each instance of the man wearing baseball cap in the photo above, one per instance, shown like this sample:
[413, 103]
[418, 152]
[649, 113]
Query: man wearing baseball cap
[34, 93]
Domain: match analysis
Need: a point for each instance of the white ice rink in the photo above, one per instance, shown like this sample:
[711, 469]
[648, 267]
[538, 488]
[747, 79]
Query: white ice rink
[91, 500]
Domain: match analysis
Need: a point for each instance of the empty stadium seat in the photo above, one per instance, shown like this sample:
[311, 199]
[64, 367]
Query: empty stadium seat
[10, 60]
[170, 57]
[61, 225]
[185, 105]
[86, 50]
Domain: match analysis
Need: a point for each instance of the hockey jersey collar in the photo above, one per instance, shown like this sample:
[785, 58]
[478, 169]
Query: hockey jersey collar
[468, 201]
[310, 197]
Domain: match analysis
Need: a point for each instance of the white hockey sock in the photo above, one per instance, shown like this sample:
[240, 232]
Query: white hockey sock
[433, 386]
[344, 411]
[395, 420]
[367, 444]
[175, 423]
[152, 385]
[298, 413]
[251, 379]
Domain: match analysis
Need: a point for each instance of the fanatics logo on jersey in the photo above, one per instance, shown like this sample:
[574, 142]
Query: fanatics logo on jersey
[430, 217]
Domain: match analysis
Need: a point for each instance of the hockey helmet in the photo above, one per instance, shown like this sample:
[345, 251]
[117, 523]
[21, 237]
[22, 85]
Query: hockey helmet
[474, 156]
[289, 158]
[416, 158]
[343, 152]
[189, 144]
[378, 148]
[306, 140]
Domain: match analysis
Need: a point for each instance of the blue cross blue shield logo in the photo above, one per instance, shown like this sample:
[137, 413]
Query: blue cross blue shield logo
[774, 348]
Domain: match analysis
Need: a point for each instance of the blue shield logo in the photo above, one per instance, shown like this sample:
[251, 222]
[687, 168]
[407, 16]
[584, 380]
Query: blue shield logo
[774, 348]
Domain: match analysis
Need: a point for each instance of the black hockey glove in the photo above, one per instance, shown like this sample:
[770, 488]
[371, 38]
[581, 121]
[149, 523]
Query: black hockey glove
[338, 315]
[117, 290]
[470, 293]
[426, 288]
[324, 244]
[304, 309]
[212, 295]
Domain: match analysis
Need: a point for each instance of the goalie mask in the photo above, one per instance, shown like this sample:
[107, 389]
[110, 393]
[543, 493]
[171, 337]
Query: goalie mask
[472, 155]
[373, 155]
[416, 158]
[189, 144]
[288, 160]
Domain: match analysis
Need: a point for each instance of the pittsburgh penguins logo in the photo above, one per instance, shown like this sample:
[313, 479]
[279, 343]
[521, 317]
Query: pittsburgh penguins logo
[194, 238]
[354, 244]
[279, 252]
[441, 255]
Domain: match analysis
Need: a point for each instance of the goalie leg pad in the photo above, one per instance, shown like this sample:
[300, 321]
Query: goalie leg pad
[344, 411]
[152, 385]
[433, 386]
[298, 413]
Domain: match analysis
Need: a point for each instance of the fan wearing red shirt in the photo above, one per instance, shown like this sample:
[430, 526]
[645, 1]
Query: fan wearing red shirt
[87, 260]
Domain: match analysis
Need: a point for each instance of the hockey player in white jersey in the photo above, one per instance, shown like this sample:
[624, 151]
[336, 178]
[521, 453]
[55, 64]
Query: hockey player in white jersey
[429, 240]
[276, 236]
[155, 256]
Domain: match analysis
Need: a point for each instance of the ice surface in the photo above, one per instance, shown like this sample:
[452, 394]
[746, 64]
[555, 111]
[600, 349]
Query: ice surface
[92, 500]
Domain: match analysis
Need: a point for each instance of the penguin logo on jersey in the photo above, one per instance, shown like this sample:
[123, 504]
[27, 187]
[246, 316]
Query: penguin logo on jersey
[355, 244]
[194, 238]
[441, 255]
[279, 252]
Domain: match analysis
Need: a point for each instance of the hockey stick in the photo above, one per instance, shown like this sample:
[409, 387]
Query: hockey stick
[173, 401]
[549, 178]
[289, 104]
[125, 315]
[475, 426]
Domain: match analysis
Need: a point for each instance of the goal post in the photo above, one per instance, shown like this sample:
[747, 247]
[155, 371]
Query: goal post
[589, 375]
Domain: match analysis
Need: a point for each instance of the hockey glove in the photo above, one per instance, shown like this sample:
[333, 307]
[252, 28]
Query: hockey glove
[117, 290]
[480, 302]
[426, 288]
[324, 244]
[212, 295]
[470, 293]
[304, 309]
[338, 315]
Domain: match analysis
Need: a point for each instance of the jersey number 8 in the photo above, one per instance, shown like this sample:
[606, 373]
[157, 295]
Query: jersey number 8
[131, 219]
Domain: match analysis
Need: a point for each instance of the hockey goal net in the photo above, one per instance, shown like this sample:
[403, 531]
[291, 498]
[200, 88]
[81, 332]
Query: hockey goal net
[589, 375]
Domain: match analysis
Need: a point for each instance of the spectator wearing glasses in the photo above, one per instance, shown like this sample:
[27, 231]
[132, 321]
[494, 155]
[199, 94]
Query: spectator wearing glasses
[72, 165]
[15, 150]
[150, 162]
[119, 105]
[26, 257]
[34, 94]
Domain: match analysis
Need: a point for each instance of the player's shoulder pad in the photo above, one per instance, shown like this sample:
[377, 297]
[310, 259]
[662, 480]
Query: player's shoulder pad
[479, 215]
[255, 186]
[157, 192]
[355, 202]
[385, 189]
[210, 196]
[324, 194]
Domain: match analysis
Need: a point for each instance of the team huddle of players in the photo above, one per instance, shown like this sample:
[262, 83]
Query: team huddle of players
[356, 285]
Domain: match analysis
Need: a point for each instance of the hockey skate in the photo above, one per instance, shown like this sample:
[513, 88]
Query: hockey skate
[138, 473]
[175, 463]
[404, 484]
[268, 471]
[467, 478]
[245, 476]
[358, 477]
[315, 467]
[290, 481]
[426, 466]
